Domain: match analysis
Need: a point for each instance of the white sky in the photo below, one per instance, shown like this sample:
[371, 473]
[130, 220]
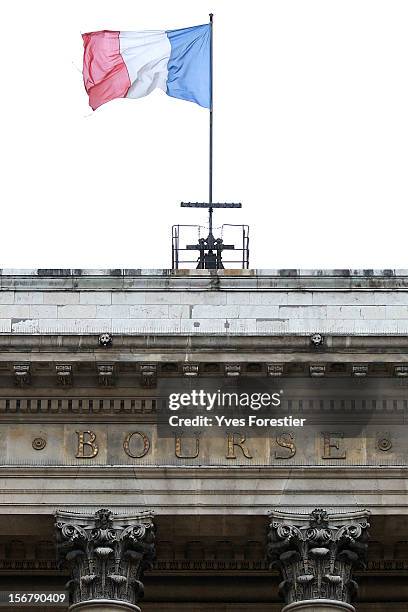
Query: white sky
[311, 134]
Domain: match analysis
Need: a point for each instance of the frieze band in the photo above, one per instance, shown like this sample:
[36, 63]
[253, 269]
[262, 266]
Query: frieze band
[132, 443]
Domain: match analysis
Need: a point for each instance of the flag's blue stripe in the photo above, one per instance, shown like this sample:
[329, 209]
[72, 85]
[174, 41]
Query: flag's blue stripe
[189, 64]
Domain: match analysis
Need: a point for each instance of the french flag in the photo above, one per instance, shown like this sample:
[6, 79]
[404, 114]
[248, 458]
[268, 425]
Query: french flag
[133, 64]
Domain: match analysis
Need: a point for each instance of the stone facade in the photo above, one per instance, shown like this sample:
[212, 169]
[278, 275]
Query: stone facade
[85, 359]
[239, 302]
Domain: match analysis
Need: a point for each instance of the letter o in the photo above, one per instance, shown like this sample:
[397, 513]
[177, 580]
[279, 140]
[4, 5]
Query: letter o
[146, 444]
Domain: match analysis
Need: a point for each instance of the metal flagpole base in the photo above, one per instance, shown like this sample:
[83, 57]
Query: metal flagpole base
[319, 605]
[103, 605]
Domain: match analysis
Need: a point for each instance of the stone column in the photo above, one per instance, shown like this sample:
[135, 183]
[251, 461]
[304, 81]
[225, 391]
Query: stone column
[316, 555]
[107, 556]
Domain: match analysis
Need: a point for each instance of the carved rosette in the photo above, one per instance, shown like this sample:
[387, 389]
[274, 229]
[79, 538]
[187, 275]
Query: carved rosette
[316, 554]
[106, 554]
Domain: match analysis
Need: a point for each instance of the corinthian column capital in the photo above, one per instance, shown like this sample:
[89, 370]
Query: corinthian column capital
[316, 555]
[106, 555]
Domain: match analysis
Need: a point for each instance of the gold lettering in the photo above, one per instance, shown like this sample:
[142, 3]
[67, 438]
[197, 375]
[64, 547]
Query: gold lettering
[146, 445]
[179, 452]
[285, 440]
[232, 442]
[90, 443]
[332, 440]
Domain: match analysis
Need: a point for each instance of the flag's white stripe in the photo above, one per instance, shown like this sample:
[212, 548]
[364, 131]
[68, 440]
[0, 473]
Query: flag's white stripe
[146, 55]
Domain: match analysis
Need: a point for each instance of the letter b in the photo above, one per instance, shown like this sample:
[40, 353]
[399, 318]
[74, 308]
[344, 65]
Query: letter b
[88, 443]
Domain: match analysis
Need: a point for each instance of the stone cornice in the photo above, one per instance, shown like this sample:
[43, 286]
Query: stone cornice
[211, 280]
[241, 472]
[164, 348]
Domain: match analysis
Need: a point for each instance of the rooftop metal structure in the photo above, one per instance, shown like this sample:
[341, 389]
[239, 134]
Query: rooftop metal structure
[210, 249]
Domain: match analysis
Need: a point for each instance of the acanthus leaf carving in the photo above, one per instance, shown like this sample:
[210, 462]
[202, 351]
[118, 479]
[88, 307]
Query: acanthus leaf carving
[106, 554]
[317, 554]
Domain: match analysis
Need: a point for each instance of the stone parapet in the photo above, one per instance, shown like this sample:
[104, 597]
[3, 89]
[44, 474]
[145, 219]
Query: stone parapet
[196, 302]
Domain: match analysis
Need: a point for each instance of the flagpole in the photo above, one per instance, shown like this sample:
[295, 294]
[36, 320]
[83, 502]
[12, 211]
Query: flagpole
[210, 195]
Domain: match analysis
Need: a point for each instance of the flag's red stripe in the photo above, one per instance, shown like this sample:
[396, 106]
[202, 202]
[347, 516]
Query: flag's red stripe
[105, 74]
